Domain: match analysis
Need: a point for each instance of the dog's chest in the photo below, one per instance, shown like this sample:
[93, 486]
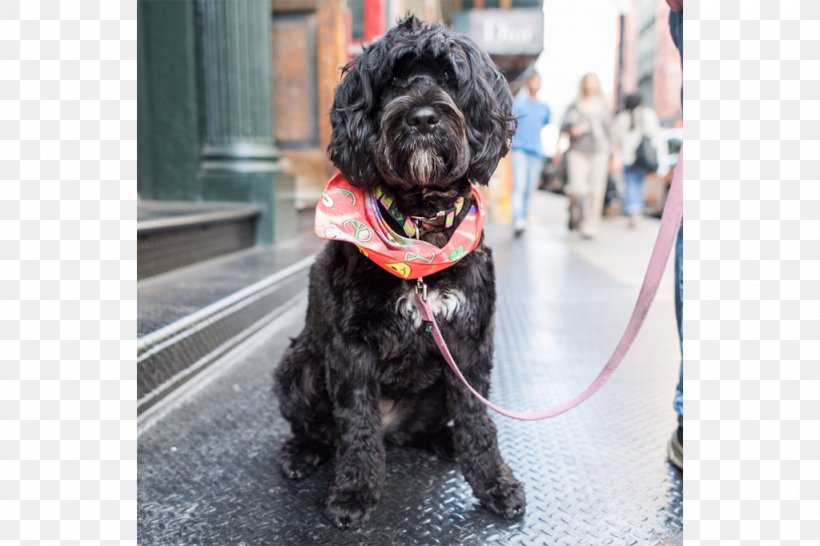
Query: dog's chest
[447, 304]
[408, 354]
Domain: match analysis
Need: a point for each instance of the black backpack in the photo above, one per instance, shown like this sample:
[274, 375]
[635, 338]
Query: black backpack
[646, 155]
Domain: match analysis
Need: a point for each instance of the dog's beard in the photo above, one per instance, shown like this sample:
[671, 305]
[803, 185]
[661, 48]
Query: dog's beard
[425, 166]
[406, 158]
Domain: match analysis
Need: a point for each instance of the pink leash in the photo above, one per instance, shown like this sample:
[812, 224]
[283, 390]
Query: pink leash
[670, 222]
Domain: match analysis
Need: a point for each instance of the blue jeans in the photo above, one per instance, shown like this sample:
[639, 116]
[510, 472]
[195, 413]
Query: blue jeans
[676, 29]
[679, 316]
[526, 172]
[633, 189]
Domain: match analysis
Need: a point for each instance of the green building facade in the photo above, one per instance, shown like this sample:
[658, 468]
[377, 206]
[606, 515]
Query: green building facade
[205, 114]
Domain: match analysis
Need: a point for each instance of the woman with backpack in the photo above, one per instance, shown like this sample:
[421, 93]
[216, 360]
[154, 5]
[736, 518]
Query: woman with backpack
[634, 131]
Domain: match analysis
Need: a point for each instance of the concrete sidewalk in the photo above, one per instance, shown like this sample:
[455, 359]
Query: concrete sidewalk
[596, 475]
[622, 252]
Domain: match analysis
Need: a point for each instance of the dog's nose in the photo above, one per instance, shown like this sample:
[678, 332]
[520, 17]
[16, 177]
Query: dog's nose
[424, 119]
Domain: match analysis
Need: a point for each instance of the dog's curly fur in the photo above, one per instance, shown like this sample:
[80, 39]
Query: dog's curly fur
[363, 371]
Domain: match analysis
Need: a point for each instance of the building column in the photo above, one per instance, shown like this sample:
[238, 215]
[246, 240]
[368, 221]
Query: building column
[238, 158]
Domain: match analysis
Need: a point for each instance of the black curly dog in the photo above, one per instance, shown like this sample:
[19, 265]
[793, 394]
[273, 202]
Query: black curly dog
[424, 112]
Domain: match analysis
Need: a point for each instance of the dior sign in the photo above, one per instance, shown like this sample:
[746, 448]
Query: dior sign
[503, 31]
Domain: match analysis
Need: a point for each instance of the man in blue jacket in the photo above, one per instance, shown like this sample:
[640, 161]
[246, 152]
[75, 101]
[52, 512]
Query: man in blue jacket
[527, 154]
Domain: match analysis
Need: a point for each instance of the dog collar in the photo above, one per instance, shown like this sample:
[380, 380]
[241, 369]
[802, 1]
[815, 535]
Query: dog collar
[411, 224]
[352, 215]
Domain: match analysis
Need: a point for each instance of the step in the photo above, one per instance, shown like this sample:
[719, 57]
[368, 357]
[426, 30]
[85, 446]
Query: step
[190, 316]
[174, 234]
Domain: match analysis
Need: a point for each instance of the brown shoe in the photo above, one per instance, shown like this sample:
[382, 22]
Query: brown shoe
[574, 213]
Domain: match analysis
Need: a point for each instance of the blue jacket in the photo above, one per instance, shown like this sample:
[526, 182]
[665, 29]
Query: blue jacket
[532, 116]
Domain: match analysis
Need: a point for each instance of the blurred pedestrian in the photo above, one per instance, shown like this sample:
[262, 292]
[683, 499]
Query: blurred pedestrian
[527, 154]
[634, 130]
[675, 448]
[587, 122]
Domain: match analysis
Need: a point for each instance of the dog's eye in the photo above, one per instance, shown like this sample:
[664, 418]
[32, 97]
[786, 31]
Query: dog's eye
[394, 82]
[446, 76]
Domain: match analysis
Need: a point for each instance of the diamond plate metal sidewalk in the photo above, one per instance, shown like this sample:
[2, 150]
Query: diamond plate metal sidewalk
[597, 475]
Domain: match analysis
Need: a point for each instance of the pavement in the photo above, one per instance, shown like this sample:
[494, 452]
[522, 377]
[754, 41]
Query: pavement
[596, 475]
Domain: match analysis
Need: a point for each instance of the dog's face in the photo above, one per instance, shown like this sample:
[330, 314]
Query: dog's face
[420, 107]
[422, 131]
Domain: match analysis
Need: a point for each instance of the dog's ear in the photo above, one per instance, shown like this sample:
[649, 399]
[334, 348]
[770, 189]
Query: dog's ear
[354, 133]
[485, 99]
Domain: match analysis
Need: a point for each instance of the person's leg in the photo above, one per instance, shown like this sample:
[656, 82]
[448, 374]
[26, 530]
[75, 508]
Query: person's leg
[641, 176]
[679, 318]
[577, 185]
[634, 208]
[676, 30]
[535, 165]
[594, 202]
[629, 189]
[519, 188]
[675, 447]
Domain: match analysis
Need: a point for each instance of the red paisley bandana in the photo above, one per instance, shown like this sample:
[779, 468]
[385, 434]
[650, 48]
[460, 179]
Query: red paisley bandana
[350, 214]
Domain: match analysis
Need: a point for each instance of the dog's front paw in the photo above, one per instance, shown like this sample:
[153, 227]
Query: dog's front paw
[349, 510]
[298, 458]
[505, 498]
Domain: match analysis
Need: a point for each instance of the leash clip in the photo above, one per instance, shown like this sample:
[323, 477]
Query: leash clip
[421, 288]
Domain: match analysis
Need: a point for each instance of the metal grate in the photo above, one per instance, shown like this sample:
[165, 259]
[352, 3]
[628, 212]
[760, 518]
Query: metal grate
[597, 475]
[170, 362]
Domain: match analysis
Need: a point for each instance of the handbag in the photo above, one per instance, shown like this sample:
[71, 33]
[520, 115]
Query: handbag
[552, 176]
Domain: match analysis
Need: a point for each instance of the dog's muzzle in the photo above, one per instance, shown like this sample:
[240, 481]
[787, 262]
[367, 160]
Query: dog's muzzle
[422, 139]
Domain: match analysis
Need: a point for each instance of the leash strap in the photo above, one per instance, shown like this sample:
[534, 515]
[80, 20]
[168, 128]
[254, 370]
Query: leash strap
[670, 222]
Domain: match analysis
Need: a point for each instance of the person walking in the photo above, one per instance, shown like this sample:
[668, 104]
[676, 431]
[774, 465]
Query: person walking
[632, 125]
[527, 154]
[587, 122]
